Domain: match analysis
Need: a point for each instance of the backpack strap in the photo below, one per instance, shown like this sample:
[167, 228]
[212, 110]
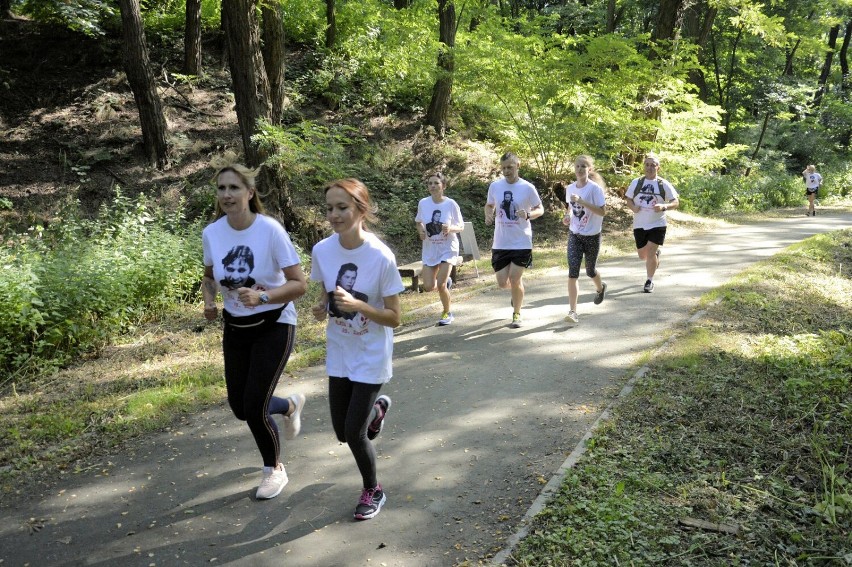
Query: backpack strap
[662, 187]
[637, 181]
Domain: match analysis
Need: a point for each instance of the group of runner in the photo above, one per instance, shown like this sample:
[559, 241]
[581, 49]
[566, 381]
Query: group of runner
[250, 260]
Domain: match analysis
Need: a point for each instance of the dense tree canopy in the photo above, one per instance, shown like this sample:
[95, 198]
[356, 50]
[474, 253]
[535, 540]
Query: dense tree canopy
[725, 86]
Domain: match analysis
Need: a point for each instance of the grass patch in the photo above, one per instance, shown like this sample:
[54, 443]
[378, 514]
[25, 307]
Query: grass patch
[746, 425]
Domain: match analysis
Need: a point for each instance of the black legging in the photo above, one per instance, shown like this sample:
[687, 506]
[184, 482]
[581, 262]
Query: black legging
[254, 360]
[351, 404]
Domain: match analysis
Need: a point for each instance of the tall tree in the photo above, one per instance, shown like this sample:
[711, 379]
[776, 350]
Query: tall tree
[137, 66]
[192, 38]
[439, 106]
[844, 62]
[273, 56]
[668, 18]
[330, 24]
[252, 97]
[826, 67]
[248, 74]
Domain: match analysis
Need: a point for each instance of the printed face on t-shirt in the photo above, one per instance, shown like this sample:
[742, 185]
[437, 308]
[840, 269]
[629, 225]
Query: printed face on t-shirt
[507, 207]
[347, 280]
[238, 265]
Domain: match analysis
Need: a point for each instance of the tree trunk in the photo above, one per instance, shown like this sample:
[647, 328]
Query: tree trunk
[330, 24]
[697, 24]
[439, 106]
[273, 56]
[826, 68]
[613, 15]
[667, 17]
[223, 36]
[248, 75]
[192, 38]
[6, 9]
[788, 66]
[844, 62]
[760, 140]
[137, 66]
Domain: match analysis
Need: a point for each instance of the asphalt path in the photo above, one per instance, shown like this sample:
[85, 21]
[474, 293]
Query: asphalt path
[483, 416]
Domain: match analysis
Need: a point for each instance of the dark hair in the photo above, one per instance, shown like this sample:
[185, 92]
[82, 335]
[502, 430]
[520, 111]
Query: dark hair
[240, 252]
[360, 194]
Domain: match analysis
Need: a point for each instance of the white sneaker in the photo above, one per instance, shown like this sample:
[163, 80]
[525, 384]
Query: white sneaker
[293, 422]
[273, 483]
[572, 317]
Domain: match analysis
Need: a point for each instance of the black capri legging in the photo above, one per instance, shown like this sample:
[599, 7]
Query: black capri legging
[351, 403]
[254, 360]
[578, 246]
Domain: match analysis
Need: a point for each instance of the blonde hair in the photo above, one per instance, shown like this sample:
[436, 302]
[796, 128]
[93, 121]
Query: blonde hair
[228, 162]
[810, 168]
[593, 173]
[360, 195]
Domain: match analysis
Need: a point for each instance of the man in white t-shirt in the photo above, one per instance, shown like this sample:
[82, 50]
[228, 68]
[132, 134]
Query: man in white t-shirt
[512, 203]
[649, 198]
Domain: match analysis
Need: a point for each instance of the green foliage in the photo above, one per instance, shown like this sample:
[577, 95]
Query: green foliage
[553, 97]
[75, 284]
[168, 17]
[383, 57]
[86, 16]
[304, 22]
[308, 155]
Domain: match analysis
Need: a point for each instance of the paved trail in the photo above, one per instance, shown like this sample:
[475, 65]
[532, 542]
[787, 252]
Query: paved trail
[482, 417]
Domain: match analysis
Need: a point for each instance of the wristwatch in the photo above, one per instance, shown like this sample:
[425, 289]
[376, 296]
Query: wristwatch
[264, 299]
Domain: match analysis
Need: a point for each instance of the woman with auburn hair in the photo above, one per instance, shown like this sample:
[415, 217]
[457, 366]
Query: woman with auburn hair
[249, 258]
[359, 333]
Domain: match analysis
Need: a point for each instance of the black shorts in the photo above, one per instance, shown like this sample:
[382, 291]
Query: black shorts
[813, 191]
[502, 258]
[642, 237]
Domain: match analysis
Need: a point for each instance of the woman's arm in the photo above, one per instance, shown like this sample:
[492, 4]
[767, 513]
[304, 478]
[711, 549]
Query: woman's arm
[320, 309]
[293, 289]
[209, 290]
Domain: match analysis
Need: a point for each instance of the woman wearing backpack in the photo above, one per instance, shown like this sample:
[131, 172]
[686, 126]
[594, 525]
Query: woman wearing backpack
[649, 198]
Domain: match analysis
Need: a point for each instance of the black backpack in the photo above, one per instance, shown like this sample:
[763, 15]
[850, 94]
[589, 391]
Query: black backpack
[660, 182]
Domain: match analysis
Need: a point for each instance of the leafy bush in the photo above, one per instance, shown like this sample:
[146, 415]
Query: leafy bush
[72, 286]
[86, 16]
[382, 56]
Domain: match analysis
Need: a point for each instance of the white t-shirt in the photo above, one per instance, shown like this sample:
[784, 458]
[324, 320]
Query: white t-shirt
[511, 232]
[813, 180]
[357, 348]
[253, 257]
[648, 195]
[438, 248]
[583, 221]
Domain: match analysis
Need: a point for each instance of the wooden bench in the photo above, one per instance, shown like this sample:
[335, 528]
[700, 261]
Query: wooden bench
[468, 250]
